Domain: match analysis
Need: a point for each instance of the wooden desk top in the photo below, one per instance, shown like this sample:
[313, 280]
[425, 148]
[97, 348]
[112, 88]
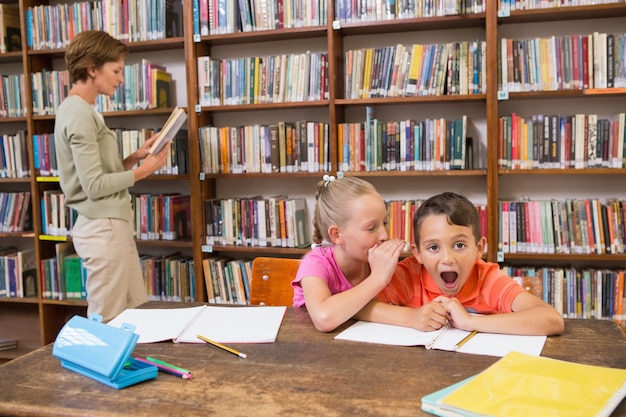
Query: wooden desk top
[304, 373]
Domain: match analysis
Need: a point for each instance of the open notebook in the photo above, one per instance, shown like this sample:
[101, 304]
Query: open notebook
[445, 338]
[259, 324]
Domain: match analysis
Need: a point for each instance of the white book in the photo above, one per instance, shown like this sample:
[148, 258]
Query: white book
[169, 130]
[221, 324]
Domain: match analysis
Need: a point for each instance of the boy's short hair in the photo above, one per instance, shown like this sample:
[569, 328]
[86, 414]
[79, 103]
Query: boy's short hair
[457, 208]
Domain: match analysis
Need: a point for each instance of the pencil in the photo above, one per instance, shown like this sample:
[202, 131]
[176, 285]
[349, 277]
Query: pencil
[465, 340]
[226, 348]
[178, 368]
[167, 369]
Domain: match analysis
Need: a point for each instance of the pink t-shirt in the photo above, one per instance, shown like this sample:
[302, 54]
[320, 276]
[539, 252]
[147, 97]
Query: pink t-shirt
[320, 262]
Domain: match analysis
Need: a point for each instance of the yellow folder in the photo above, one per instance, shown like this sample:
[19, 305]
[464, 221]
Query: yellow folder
[524, 385]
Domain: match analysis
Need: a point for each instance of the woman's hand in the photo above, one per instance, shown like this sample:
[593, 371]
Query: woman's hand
[144, 150]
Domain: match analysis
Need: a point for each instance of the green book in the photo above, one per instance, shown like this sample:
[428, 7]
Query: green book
[72, 276]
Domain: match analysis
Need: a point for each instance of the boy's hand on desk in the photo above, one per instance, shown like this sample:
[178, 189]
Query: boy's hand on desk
[457, 314]
[383, 258]
[429, 317]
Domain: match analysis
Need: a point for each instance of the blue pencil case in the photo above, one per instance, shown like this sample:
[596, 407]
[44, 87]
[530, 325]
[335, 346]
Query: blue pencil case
[101, 352]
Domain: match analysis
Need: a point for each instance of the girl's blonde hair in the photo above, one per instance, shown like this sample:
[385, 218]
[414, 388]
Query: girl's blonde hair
[333, 203]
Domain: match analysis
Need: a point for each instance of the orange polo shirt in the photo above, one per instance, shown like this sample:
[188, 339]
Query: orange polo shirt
[488, 290]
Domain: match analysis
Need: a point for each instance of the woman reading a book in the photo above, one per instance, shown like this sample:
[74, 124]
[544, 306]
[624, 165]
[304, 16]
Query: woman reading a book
[447, 279]
[95, 179]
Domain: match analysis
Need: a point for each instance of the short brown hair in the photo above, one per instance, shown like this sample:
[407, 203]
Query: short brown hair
[457, 208]
[92, 48]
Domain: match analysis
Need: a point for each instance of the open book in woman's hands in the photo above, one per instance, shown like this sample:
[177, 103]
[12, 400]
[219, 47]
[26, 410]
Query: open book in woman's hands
[169, 129]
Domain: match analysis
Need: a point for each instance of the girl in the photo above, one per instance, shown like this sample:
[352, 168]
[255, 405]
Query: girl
[340, 279]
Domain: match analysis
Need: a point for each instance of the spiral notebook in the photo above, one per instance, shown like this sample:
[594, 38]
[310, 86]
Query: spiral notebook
[446, 338]
[258, 324]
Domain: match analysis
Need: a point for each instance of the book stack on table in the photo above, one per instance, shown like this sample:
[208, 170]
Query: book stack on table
[7, 343]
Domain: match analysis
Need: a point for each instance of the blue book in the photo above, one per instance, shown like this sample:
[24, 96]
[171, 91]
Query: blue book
[196, 17]
[430, 402]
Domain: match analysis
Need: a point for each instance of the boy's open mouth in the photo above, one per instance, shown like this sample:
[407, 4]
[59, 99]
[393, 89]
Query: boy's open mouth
[449, 277]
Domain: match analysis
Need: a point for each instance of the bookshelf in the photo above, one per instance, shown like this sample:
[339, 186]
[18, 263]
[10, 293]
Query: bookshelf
[486, 183]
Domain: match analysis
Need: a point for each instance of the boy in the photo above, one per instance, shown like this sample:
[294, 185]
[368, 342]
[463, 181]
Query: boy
[446, 279]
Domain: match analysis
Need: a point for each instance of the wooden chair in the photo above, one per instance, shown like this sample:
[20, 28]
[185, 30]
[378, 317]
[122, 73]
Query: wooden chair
[271, 281]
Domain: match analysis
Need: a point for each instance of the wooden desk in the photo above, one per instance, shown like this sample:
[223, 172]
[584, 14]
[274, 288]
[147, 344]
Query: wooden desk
[304, 373]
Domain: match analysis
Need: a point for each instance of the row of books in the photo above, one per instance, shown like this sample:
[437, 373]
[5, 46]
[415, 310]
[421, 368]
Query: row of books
[419, 70]
[15, 213]
[582, 293]
[300, 146]
[146, 85]
[268, 79]
[12, 102]
[128, 141]
[569, 62]
[553, 141]
[374, 10]
[157, 216]
[270, 222]
[14, 156]
[224, 16]
[54, 26]
[571, 226]
[406, 145]
[276, 221]
[162, 216]
[56, 218]
[227, 280]
[166, 277]
[18, 272]
[63, 276]
[10, 32]
[507, 6]
[177, 163]
[169, 277]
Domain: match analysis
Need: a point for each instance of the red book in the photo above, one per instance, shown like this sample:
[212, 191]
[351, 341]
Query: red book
[576, 75]
[585, 61]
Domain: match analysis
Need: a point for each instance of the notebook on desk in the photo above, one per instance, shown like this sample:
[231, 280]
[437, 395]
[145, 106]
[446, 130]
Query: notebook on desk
[258, 324]
[446, 338]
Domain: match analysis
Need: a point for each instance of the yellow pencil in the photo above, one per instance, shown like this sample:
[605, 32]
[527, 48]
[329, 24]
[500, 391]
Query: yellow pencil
[226, 348]
[465, 340]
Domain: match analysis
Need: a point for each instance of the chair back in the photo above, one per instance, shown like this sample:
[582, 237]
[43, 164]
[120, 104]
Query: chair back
[271, 281]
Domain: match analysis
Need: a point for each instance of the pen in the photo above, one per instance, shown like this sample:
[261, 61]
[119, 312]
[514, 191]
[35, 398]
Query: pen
[226, 348]
[465, 340]
[178, 368]
[164, 368]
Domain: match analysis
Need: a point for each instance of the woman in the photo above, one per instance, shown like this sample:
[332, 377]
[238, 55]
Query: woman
[95, 179]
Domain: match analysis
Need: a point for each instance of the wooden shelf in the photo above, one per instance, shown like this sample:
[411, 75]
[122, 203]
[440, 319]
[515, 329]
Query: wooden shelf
[41, 319]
